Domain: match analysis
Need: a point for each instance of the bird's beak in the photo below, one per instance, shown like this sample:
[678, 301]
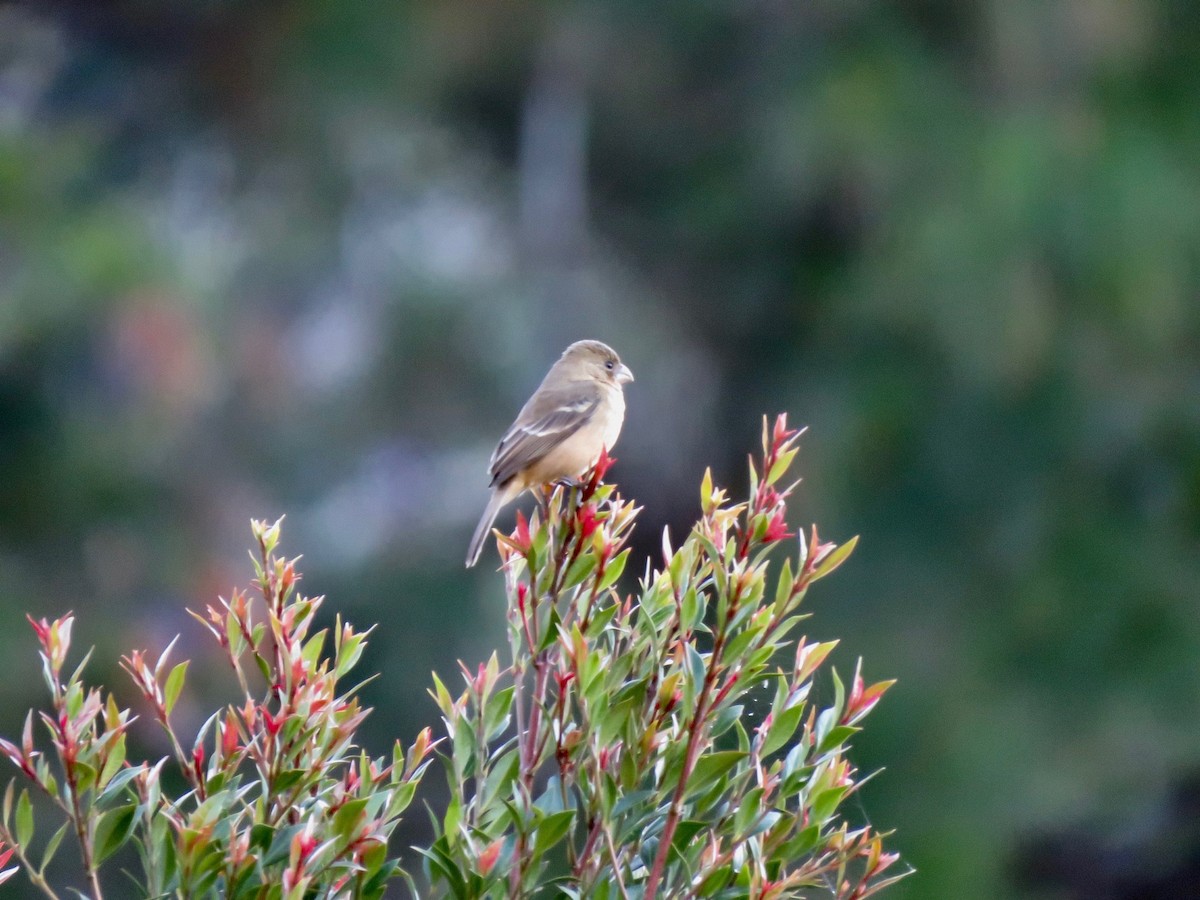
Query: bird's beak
[623, 375]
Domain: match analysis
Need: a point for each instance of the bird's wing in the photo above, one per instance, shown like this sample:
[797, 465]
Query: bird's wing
[547, 420]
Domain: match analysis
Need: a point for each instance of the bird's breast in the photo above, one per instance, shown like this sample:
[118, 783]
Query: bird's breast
[613, 417]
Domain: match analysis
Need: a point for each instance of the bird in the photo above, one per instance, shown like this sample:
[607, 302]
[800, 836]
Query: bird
[576, 412]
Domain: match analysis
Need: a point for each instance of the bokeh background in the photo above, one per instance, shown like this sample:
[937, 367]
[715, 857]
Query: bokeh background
[309, 257]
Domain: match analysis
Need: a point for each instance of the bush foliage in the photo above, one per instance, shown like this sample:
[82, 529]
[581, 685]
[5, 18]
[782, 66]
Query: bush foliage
[634, 769]
[279, 802]
[639, 745]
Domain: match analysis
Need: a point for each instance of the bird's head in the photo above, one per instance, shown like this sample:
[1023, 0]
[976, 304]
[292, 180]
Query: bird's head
[599, 361]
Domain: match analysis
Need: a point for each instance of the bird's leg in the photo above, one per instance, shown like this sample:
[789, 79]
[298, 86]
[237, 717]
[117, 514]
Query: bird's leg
[546, 492]
[574, 486]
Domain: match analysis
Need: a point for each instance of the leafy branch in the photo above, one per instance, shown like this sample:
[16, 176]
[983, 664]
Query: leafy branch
[279, 801]
[613, 755]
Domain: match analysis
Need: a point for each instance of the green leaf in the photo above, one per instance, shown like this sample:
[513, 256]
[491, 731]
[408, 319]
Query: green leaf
[613, 720]
[348, 654]
[376, 885]
[782, 463]
[464, 746]
[281, 844]
[834, 559]
[85, 777]
[740, 643]
[630, 801]
[696, 668]
[839, 694]
[117, 782]
[837, 736]
[260, 836]
[691, 610]
[725, 719]
[613, 570]
[311, 653]
[441, 696]
[804, 841]
[712, 766]
[452, 818]
[116, 758]
[550, 800]
[78, 673]
[24, 819]
[825, 721]
[401, 798]
[783, 589]
[583, 566]
[551, 629]
[263, 666]
[782, 729]
[825, 804]
[714, 881]
[74, 699]
[552, 829]
[684, 832]
[373, 857]
[174, 685]
[500, 778]
[601, 618]
[268, 534]
[288, 779]
[441, 864]
[233, 634]
[52, 845]
[748, 810]
[348, 818]
[113, 830]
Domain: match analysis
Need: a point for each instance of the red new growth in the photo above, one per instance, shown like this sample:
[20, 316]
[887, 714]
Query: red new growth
[777, 529]
[782, 434]
[863, 699]
[42, 627]
[5, 856]
[603, 464]
[521, 535]
[587, 520]
[487, 859]
[229, 735]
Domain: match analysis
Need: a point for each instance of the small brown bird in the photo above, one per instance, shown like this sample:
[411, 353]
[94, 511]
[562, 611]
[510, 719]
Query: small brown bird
[576, 412]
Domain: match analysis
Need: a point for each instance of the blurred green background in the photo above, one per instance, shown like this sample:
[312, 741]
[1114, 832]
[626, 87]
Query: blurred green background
[309, 257]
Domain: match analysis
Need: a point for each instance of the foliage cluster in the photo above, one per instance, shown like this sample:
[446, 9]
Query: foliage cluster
[278, 800]
[634, 769]
[615, 755]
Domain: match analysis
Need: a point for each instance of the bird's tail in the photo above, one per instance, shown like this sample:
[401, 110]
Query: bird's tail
[484, 528]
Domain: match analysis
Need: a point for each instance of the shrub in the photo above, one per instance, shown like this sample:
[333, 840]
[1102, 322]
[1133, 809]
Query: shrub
[279, 802]
[617, 754]
[614, 755]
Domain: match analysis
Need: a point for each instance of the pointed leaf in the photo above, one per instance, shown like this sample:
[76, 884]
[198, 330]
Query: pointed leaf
[113, 830]
[52, 845]
[834, 559]
[24, 819]
[552, 829]
[174, 685]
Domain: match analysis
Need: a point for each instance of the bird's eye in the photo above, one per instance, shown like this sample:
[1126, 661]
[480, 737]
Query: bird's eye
[609, 364]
